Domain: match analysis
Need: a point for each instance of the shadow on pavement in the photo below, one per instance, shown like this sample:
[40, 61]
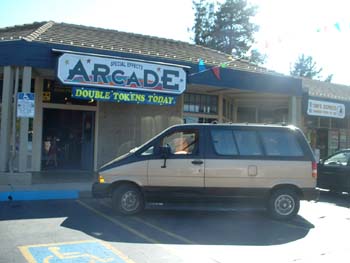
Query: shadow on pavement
[339, 199]
[163, 226]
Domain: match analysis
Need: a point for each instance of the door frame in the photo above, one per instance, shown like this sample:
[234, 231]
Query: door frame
[69, 107]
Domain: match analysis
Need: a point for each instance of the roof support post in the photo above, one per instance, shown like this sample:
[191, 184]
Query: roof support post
[294, 110]
[24, 124]
[37, 124]
[6, 112]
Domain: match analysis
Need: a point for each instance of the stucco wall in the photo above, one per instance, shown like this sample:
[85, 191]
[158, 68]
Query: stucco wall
[125, 126]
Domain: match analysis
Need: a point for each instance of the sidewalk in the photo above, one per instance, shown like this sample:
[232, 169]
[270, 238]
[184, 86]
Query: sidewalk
[50, 185]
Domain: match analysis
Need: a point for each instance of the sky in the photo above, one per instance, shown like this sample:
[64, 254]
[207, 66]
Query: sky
[288, 28]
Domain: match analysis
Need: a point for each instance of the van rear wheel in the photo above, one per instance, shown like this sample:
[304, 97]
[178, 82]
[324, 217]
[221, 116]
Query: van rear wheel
[283, 204]
[127, 200]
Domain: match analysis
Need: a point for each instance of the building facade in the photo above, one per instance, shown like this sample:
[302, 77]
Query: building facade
[98, 93]
[326, 118]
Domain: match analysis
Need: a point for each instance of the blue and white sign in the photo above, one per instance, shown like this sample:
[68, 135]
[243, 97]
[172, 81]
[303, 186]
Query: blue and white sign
[25, 105]
[326, 109]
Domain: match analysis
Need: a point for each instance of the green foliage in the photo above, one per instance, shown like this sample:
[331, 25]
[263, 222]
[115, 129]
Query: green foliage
[329, 78]
[226, 27]
[306, 67]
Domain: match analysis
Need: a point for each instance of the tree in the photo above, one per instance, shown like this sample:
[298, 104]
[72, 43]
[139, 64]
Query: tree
[329, 78]
[226, 27]
[306, 67]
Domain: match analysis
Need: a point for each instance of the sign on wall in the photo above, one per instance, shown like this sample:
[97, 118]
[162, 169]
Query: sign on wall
[25, 105]
[326, 109]
[123, 96]
[74, 69]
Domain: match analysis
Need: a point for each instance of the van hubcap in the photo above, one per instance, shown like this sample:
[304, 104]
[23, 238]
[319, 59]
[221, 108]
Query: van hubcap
[130, 201]
[284, 205]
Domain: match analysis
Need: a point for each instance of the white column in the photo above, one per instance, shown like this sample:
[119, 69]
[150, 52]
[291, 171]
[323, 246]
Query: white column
[6, 109]
[294, 111]
[24, 124]
[235, 111]
[220, 108]
[37, 125]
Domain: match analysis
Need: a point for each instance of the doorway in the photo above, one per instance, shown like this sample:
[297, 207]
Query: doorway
[68, 139]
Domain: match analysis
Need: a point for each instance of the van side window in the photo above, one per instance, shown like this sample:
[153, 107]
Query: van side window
[248, 143]
[182, 142]
[149, 151]
[223, 142]
[281, 143]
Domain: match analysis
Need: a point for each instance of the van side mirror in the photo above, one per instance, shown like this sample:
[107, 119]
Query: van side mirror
[165, 151]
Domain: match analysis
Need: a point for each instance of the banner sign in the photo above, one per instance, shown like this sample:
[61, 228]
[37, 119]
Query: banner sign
[74, 69]
[25, 105]
[326, 109]
[103, 94]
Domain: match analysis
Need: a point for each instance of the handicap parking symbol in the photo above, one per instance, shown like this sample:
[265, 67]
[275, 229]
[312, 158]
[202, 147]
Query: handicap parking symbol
[81, 251]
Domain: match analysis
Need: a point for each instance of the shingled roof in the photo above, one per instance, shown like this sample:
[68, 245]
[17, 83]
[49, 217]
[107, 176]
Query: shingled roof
[113, 40]
[326, 90]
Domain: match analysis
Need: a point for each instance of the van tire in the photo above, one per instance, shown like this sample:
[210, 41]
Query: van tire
[127, 199]
[283, 204]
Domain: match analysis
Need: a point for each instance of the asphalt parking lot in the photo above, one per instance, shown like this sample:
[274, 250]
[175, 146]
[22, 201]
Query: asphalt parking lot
[87, 230]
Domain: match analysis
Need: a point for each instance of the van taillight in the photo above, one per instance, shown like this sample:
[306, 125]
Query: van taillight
[314, 169]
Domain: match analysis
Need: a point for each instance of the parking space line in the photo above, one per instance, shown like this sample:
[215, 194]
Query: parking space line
[160, 229]
[117, 222]
[149, 239]
[130, 229]
[25, 252]
[173, 235]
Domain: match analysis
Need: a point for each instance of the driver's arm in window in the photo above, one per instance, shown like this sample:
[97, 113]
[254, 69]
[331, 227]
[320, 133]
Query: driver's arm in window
[181, 145]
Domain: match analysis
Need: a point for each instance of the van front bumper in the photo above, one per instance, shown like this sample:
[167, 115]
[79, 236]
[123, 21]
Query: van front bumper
[100, 190]
[310, 194]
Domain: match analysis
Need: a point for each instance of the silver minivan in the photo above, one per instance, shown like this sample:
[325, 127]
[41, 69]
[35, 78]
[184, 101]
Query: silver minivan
[273, 163]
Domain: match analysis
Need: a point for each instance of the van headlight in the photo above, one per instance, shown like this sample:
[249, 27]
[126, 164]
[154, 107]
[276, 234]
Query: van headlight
[101, 180]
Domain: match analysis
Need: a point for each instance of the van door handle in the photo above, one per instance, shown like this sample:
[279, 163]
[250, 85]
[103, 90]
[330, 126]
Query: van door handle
[252, 170]
[197, 162]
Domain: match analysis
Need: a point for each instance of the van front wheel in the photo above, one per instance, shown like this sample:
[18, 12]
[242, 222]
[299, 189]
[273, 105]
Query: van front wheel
[127, 200]
[283, 204]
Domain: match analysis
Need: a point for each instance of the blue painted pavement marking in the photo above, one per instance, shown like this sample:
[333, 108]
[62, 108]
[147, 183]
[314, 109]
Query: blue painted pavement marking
[82, 252]
[39, 195]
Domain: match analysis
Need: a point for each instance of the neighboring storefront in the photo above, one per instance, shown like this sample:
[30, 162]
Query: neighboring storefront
[99, 93]
[326, 109]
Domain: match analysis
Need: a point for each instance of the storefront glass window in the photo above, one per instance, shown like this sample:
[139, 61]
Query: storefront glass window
[325, 122]
[1, 83]
[54, 92]
[311, 121]
[199, 103]
[272, 115]
[339, 123]
[246, 114]
[192, 119]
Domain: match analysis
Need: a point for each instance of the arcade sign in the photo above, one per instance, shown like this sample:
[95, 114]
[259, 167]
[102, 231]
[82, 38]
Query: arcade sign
[115, 73]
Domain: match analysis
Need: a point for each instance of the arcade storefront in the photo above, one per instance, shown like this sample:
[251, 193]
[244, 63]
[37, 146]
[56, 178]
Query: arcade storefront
[78, 107]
